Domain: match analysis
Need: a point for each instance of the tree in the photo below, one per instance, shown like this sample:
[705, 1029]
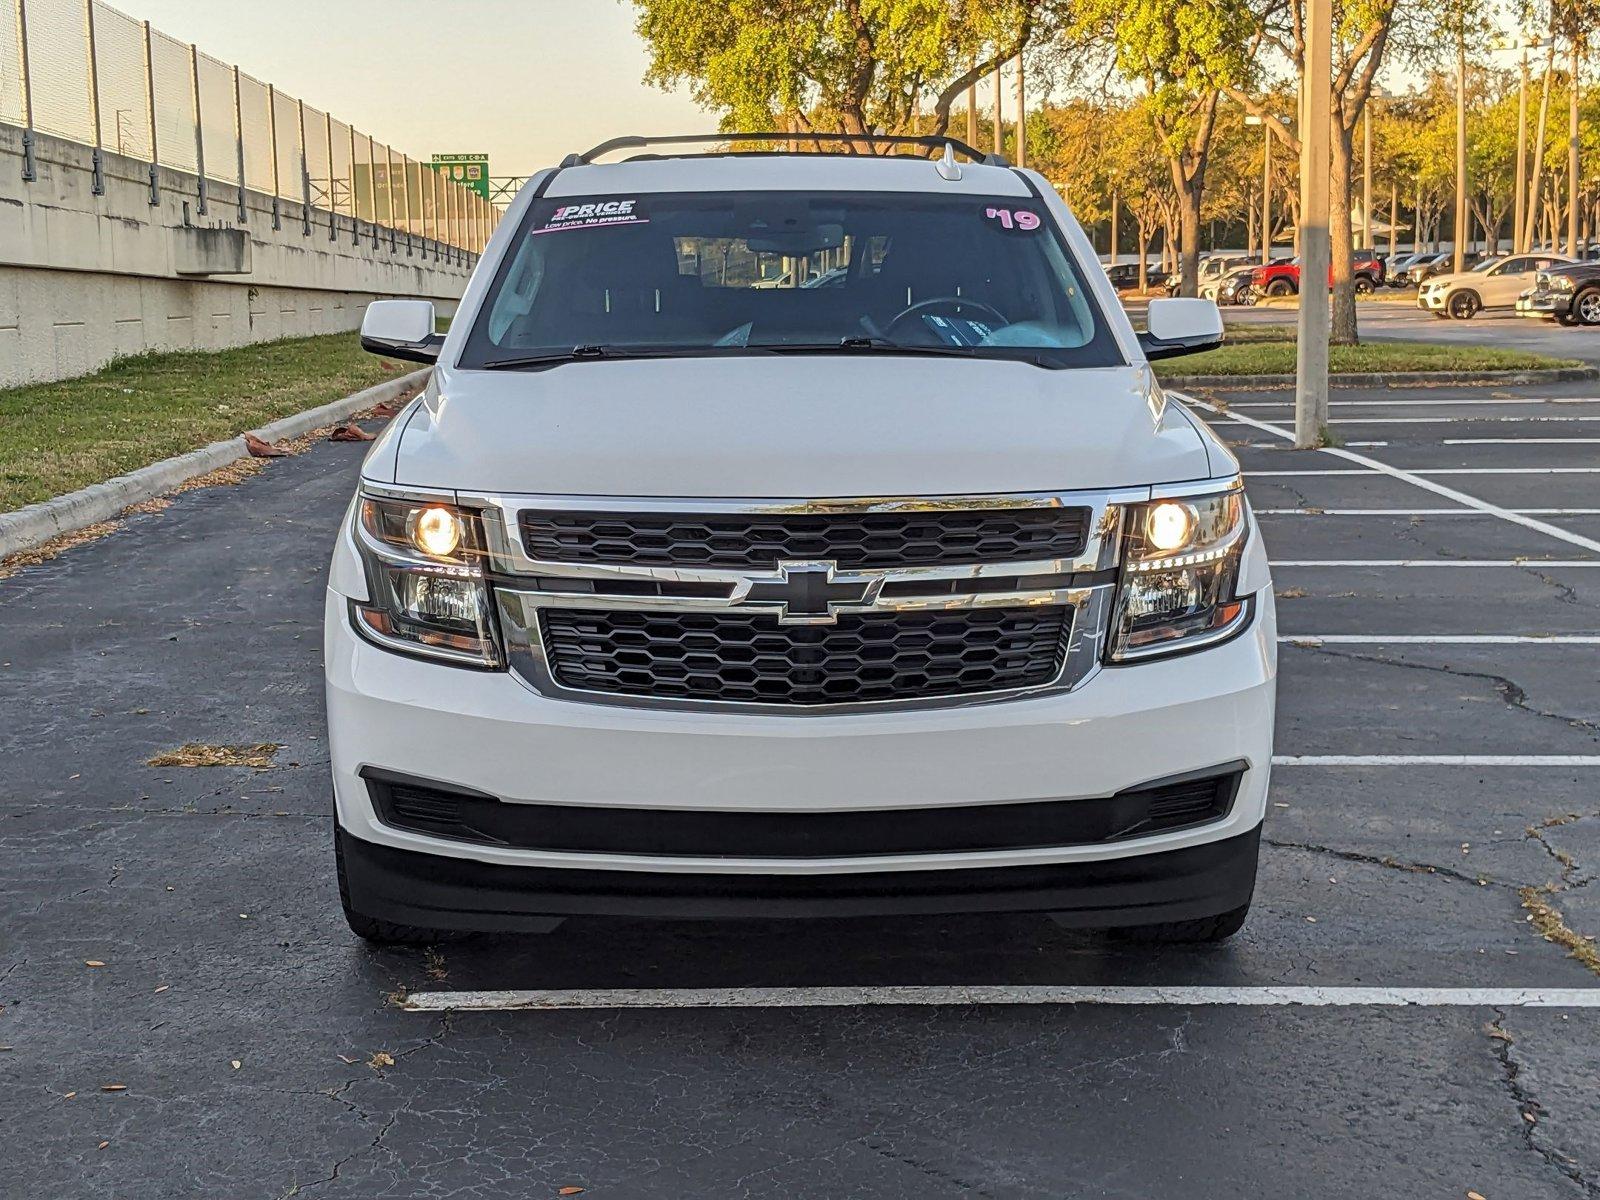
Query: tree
[838, 66]
[1184, 53]
[1361, 33]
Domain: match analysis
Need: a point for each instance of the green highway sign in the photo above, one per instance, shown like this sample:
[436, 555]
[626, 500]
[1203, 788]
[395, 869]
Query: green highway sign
[469, 170]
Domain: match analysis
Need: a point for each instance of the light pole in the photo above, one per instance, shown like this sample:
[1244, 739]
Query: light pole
[1366, 174]
[1520, 199]
[1311, 367]
[1266, 187]
[1572, 153]
[1460, 260]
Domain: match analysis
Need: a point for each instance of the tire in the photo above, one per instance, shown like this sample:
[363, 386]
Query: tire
[1565, 318]
[1586, 306]
[1364, 285]
[1463, 305]
[1280, 287]
[1198, 931]
[371, 929]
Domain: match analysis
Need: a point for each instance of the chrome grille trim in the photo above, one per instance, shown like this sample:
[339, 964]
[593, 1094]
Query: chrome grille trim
[1088, 591]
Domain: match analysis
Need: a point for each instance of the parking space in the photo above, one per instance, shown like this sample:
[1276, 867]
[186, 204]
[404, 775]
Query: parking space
[1434, 824]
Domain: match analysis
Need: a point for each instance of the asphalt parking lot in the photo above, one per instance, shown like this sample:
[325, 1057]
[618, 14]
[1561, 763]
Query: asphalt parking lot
[1435, 813]
[1400, 320]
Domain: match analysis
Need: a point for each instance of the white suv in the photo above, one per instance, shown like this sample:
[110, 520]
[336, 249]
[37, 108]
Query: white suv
[678, 595]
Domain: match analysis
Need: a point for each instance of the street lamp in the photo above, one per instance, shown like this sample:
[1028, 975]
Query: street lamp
[1266, 187]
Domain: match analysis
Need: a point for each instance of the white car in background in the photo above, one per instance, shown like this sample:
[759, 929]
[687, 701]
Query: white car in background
[1494, 283]
[675, 595]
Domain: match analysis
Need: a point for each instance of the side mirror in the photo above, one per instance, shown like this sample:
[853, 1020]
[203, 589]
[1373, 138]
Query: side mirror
[1181, 325]
[401, 329]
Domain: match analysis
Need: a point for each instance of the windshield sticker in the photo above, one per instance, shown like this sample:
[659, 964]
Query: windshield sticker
[1015, 219]
[594, 215]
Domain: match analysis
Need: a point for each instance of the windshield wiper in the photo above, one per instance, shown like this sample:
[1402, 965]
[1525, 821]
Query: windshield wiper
[869, 342]
[593, 350]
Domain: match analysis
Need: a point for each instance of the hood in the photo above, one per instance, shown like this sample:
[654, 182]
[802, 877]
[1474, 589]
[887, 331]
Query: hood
[791, 427]
[1450, 279]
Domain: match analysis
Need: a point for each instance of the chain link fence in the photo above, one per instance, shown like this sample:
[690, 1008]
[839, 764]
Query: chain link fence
[81, 70]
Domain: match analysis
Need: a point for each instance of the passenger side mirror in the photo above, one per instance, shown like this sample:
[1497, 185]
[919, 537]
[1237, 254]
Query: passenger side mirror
[1181, 325]
[401, 329]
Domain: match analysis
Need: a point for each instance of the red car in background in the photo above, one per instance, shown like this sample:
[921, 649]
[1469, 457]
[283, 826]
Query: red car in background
[1283, 278]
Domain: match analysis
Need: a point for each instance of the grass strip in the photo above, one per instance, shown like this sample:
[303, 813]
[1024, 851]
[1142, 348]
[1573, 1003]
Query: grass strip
[58, 437]
[1270, 350]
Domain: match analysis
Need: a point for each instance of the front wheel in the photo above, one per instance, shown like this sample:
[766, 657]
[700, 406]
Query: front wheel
[1586, 306]
[1464, 306]
[379, 932]
[1566, 319]
[1198, 931]
[1363, 286]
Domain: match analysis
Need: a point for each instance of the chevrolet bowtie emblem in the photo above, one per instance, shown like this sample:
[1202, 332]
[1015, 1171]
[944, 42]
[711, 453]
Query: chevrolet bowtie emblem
[807, 593]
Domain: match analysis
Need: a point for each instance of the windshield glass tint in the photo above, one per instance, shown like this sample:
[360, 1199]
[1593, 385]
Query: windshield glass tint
[762, 271]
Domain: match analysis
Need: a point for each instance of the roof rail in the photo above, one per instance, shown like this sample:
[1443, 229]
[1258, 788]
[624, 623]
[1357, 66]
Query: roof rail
[635, 142]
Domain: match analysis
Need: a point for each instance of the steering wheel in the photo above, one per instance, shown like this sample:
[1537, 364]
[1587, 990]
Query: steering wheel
[933, 302]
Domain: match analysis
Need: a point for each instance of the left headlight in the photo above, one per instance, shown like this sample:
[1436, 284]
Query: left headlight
[424, 565]
[1180, 573]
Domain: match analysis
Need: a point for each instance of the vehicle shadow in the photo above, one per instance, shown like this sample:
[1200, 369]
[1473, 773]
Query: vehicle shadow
[600, 953]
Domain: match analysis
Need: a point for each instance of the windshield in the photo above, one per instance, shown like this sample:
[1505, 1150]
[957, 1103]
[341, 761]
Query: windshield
[766, 272]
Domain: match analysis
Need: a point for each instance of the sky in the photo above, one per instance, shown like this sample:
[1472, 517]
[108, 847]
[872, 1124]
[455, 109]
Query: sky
[525, 81]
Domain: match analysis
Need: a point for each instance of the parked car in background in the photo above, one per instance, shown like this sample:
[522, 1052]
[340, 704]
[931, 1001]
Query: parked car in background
[1377, 265]
[1125, 275]
[1568, 294]
[1494, 283]
[1441, 263]
[1283, 278]
[1400, 265]
[1212, 268]
[1232, 288]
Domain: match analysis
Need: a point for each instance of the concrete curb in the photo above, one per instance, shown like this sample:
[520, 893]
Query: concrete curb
[38, 523]
[1389, 378]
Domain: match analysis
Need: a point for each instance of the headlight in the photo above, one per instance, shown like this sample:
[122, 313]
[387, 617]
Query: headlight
[1557, 283]
[1180, 571]
[424, 564]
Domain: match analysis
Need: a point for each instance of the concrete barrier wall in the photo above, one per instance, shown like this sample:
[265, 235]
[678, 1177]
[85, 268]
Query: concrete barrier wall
[86, 278]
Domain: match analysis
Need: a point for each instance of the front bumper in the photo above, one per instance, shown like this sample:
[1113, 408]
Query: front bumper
[414, 888]
[1544, 304]
[1431, 299]
[486, 732]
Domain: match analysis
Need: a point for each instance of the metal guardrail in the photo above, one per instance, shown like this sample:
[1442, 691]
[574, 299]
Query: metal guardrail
[81, 70]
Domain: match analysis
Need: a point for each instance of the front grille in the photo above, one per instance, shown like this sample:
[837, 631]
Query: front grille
[869, 657]
[918, 538]
[581, 829]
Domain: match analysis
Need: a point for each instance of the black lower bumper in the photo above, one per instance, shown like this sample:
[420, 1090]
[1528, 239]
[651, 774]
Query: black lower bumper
[436, 892]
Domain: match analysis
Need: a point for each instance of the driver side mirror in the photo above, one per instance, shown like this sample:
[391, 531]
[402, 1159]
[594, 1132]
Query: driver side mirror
[401, 329]
[1182, 325]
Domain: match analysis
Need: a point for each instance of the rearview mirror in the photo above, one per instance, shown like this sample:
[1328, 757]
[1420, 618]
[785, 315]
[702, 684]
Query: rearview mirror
[1181, 325]
[401, 329]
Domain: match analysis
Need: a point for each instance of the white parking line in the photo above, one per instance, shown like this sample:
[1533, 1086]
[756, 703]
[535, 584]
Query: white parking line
[1453, 419]
[1419, 471]
[1436, 760]
[1438, 489]
[1440, 639]
[1001, 994]
[1519, 442]
[1420, 512]
[1519, 400]
[1561, 563]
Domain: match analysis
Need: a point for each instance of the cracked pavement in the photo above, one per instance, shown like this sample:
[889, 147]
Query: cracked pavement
[209, 897]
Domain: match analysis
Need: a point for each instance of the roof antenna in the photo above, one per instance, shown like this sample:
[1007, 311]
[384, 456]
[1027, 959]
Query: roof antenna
[948, 168]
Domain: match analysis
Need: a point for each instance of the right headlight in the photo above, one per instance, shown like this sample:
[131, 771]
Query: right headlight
[1556, 283]
[424, 565]
[1180, 572]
